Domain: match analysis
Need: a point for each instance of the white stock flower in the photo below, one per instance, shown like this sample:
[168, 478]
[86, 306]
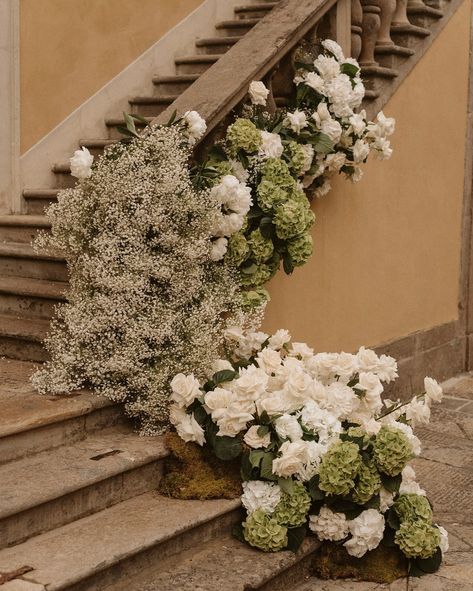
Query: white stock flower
[386, 499]
[371, 386]
[339, 90]
[367, 530]
[258, 93]
[386, 125]
[383, 150]
[185, 389]
[357, 174]
[292, 459]
[409, 484]
[254, 440]
[296, 120]
[345, 365]
[218, 249]
[433, 390]
[328, 525]
[386, 369]
[334, 162]
[271, 145]
[229, 224]
[189, 429]
[81, 164]
[269, 360]
[279, 339]
[334, 49]
[323, 190]
[239, 170]
[196, 126]
[328, 67]
[326, 124]
[233, 195]
[258, 494]
[444, 544]
[309, 156]
[358, 122]
[315, 81]
[367, 359]
[417, 412]
[287, 427]
[361, 150]
[321, 366]
[313, 451]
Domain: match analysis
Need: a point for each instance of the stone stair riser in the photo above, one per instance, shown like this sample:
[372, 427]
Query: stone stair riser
[64, 180]
[22, 234]
[34, 268]
[170, 86]
[148, 109]
[151, 558]
[192, 67]
[66, 432]
[80, 503]
[406, 39]
[250, 14]
[23, 349]
[27, 306]
[422, 20]
[36, 206]
[390, 60]
[234, 28]
[213, 48]
[287, 579]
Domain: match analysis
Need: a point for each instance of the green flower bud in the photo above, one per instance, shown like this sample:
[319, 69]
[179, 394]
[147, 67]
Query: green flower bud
[367, 484]
[339, 468]
[276, 171]
[238, 249]
[300, 249]
[244, 135]
[292, 218]
[391, 450]
[417, 539]
[296, 157]
[270, 195]
[262, 531]
[262, 248]
[292, 509]
[254, 298]
[412, 507]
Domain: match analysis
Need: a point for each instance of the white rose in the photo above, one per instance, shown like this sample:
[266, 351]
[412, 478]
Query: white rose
[433, 390]
[345, 365]
[361, 150]
[417, 412]
[357, 95]
[220, 365]
[217, 401]
[298, 389]
[287, 427]
[269, 360]
[271, 145]
[315, 81]
[334, 162]
[254, 440]
[367, 530]
[189, 429]
[185, 389]
[258, 494]
[386, 499]
[370, 384]
[292, 459]
[258, 93]
[334, 49]
[196, 126]
[328, 525]
[251, 382]
[273, 404]
[321, 366]
[296, 121]
[341, 400]
[367, 360]
[218, 249]
[279, 339]
[301, 350]
[233, 420]
[444, 544]
[328, 67]
[81, 164]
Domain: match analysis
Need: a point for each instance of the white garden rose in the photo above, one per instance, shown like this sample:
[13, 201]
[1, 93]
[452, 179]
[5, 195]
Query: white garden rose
[328, 525]
[287, 427]
[328, 67]
[217, 401]
[271, 145]
[345, 365]
[279, 339]
[274, 404]
[334, 49]
[258, 93]
[298, 389]
[358, 122]
[417, 412]
[81, 164]
[433, 390]
[218, 249]
[315, 81]
[367, 530]
[367, 359]
[387, 368]
[296, 121]
[196, 126]
[371, 386]
[189, 429]
[185, 389]
[321, 366]
[258, 494]
[269, 360]
[233, 420]
[254, 440]
[251, 383]
[292, 459]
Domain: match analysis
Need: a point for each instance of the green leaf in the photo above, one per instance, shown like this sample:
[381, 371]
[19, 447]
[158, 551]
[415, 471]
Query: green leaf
[286, 485]
[266, 469]
[315, 492]
[295, 537]
[200, 415]
[225, 375]
[227, 448]
[288, 264]
[323, 144]
[141, 119]
[263, 430]
[172, 119]
[255, 458]
[246, 469]
[264, 418]
[432, 564]
[249, 270]
[349, 69]
[388, 537]
[124, 131]
[130, 124]
[373, 503]
[303, 66]
[391, 483]
[237, 532]
[393, 520]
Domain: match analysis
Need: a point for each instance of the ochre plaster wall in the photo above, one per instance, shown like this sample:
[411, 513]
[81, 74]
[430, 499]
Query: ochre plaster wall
[70, 48]
[387, 250]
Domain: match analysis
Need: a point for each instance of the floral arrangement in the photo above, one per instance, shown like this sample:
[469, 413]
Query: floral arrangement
[320, 450]
[287, 156]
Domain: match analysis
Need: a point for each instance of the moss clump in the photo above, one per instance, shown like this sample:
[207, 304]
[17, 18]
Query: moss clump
[192, 472]
[381, 565]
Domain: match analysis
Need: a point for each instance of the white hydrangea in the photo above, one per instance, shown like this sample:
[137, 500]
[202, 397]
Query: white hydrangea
[386, 499]
[258, 494]
[367, 531]
[328, 525]
[287, 427]
[444, 543]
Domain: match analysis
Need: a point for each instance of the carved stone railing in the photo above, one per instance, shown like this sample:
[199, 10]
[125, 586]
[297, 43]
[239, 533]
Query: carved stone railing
[361, 27]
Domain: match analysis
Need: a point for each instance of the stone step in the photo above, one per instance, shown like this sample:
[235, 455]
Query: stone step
[238, 26]
[21, 338]
[228, 565]
[174, 84]
[96, 146]
[70, 482]
[113, 122]
[392, 56]
[22, 228]
[18, 259]
[421, 15]
[30, 423]
[408, 35]
[214, 45]
[373, 76]
[151, 106]
[105, 548]
[30, 298]
[38, 200]
[251, 11]
[195, 64]
[62, 170]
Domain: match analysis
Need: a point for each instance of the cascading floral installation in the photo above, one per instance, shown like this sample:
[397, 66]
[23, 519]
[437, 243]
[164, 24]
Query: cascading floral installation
[320, 450]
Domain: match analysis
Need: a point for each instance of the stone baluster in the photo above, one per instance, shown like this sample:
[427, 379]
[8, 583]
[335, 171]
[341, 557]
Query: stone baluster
[388, 8]
[400, 14]
[369, 36]
[356, 28]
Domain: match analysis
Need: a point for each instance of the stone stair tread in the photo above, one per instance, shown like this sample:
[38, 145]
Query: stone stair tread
[224, 564]
[217, 40]
[25, 250]
[255, 7]
[203, 57]
[176, 78]
[32, 221]
[378, 71]
[113, 121]
[97, 143]
[27, 286]
[34, 329]
[22, 409]
[73, 552]
[60, 471]
[153, 100]
[237, 23]
[40, 193]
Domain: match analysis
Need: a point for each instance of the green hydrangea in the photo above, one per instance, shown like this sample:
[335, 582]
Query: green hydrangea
[417, 539]
[297, 194]
[359, 433]
[391, 450]
[261, 248]
[292, 509]
[339, 468]
[270, 195]
[412, 507]
[300, 249]
[244, 135]
[254, 298]
[238, 248]
[276, 171]
[296, 157]
[292, 218]
[223, 167]
[264, 532]
[367, 484]
[260, 275]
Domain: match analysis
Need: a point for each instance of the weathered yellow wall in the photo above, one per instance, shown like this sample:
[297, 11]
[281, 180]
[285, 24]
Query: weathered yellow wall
[387, 250]
[70, 48]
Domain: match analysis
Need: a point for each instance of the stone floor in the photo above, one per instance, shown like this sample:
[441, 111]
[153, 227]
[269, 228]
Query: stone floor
[445, 470]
